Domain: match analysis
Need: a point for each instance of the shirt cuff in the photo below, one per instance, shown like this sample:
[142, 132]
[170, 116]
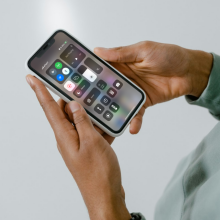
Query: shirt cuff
[210, 97]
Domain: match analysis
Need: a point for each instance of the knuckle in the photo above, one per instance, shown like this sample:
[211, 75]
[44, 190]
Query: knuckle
[144, 43]
[80, 118]
[119, 53]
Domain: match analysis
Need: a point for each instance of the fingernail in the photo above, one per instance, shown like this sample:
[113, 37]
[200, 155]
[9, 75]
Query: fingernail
[74, 106]
[28, 80]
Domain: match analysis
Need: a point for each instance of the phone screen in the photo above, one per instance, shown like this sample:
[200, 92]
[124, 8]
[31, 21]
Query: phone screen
[80, 75]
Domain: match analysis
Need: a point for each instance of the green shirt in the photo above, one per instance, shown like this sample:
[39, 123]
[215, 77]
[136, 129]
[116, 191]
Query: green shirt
[193, 192]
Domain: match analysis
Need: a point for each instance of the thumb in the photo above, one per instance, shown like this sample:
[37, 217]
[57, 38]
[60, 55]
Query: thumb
[81, 120]
[119, 54]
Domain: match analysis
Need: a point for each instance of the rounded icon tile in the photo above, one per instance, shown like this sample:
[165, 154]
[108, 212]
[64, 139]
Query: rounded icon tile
[60, 77]
[52, 72]
[58, 65]
[65, 71]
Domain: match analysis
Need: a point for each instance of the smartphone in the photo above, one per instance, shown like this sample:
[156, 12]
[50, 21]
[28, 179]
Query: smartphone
[73, 72]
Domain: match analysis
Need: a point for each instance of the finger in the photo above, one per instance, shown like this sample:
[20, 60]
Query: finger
[52, 111]
[81, 120]
[119, 54]
[136, 122]
[108, 138]
[62, 104]
[99, 129]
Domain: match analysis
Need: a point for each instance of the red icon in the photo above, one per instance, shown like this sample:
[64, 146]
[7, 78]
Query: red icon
[69, 86]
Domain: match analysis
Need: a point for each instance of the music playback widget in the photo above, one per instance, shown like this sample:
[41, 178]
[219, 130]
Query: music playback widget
[59, 71]
[72, 55]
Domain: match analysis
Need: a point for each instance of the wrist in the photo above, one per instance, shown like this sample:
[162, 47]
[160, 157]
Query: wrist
[200, 66]
[113, 208]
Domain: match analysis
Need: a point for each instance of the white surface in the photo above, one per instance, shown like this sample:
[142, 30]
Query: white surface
[35, 183]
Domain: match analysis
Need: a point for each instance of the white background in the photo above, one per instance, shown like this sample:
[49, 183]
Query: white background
[34, 182]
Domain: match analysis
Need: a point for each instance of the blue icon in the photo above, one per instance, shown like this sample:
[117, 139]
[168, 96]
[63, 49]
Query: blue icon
[60, 77]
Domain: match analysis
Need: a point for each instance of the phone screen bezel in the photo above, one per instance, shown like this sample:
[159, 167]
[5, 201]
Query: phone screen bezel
[70, 98]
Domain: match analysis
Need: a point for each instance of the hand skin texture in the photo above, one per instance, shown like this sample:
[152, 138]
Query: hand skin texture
[87, 153]
[164, 72]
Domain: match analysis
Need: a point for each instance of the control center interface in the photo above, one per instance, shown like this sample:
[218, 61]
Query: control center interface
[83, 77]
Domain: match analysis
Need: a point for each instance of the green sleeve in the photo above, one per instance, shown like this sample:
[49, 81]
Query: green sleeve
[210, 97]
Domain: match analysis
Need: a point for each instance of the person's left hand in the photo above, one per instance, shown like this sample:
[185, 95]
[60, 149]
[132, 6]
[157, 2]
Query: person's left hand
[88, 155]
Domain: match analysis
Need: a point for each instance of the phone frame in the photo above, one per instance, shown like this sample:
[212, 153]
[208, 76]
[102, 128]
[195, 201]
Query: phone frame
[67, 98]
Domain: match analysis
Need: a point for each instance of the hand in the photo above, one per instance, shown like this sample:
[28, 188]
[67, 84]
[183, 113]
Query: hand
[163, 71]
[87, 154]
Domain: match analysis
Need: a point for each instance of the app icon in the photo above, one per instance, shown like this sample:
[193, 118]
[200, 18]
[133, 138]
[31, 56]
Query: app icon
[114, 107]
[105, 100]
[78, 93]
[111, 92]
[69, 86]
[76, 77]
[58, 65]
[99, 108]
[108, 115]
[52, 72]
[60, 77]
[101, 84]
[65, 71]
[117, 84]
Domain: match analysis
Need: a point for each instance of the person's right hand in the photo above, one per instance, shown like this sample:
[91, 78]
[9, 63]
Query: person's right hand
[163, 71]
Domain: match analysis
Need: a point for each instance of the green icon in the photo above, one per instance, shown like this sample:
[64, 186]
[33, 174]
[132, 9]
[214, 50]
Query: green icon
[58, 65]
[65, 42]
